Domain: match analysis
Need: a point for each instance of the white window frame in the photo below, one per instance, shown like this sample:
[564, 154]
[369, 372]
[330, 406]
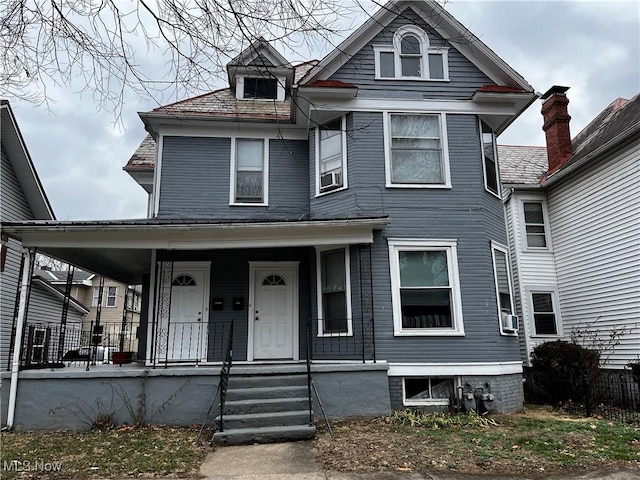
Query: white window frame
[555, 302]
[427, 401]
[280, 92]
[496, 247]
[114, 296]
[425, 51]
[265, 174]
[450, 247]
[444, 146]
[95, 297]
[344, 186]
[347, 273]
[523, 225]
[495, 159]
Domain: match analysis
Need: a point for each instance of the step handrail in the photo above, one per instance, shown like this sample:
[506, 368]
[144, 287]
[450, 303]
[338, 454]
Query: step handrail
[224, 375]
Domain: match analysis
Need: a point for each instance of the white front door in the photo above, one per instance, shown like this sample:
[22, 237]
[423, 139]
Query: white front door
[273, 312]
[186, 329]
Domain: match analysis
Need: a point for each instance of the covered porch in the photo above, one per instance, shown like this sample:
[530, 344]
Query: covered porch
[200, 278]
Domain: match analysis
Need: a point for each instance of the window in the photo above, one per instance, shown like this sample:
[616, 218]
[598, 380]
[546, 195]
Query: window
[111, 296]
[415, 151]
[96, 296]
[249, 161]
[489, 156]
[424, 288]
[184, 280]
[503, 282]
[331, 155]
[411, 57]
[260, 88]
[334, 309]
[534, 224]
[544, 313]
[427, 390]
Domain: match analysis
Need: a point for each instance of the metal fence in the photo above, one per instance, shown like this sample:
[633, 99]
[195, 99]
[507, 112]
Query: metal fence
[614, 395]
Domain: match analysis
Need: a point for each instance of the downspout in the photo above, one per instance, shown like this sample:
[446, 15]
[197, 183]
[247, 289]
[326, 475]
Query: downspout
[17, 345]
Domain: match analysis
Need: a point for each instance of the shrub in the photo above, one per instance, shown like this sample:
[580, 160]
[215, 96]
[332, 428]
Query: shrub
[564, 370]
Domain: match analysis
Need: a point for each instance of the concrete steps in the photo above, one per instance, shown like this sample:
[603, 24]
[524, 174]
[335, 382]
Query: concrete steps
[265, 408]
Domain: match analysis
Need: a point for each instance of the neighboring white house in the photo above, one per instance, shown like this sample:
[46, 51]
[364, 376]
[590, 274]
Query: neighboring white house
[573, 215]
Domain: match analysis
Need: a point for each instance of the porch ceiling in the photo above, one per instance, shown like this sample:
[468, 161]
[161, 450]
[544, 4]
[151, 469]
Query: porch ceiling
[122, 249]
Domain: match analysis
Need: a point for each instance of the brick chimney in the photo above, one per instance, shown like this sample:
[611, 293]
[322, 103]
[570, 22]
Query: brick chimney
[556, 127]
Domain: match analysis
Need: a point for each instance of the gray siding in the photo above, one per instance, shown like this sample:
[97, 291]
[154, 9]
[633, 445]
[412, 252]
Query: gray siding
[466, 212]
[13, 207]
[464, 76]
[196, 174]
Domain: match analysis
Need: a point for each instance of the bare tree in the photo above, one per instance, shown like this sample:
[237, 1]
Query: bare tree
[107, 46]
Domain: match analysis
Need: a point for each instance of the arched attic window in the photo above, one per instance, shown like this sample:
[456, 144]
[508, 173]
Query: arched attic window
[411, 57]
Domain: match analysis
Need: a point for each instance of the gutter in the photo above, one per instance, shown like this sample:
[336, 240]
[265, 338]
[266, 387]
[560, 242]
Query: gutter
[17, 344]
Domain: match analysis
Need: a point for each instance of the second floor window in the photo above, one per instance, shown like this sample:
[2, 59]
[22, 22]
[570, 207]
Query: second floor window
[249, 171]
[331, 161]
[260, 88]
[534, 225]
[112, 295]
[416, 154]
[490, 163]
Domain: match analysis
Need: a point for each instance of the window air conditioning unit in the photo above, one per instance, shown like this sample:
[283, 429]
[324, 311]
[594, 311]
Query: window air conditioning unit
[331, 180]
[510, 323]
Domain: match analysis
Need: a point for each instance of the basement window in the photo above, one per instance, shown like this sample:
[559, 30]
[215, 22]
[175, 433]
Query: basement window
[427, 390]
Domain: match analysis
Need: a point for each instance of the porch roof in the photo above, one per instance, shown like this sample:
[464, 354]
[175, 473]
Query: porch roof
[121, 249]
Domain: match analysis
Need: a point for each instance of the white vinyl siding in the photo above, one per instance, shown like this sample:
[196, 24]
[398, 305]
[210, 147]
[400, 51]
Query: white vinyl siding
[529, 267]
[596, 240]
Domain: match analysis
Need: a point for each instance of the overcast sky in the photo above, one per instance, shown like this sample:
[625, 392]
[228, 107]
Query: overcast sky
[592, 47]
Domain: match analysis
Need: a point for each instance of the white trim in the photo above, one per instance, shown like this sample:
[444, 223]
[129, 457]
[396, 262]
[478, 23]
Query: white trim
[343, 139]
[501, 248]
[523, 227]
[450, 247]
[151, 309]
[260, 265]
[495, 159]
[157, 175]
[115, 297]
[425, 51]
[427, 401]
[265, 174]
[347, 273]
[444, 147]
[552, 290]
[281, 82]
[238, 130]
[454, 369]
[358, 104]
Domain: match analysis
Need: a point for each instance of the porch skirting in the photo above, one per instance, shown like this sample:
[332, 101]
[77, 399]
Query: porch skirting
[69, 399]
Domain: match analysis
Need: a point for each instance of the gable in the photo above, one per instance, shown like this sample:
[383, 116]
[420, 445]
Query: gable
[446, 25]
[464, 77]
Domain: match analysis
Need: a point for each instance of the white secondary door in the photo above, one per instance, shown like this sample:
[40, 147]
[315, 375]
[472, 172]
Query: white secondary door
[186, 329]
[273, 312]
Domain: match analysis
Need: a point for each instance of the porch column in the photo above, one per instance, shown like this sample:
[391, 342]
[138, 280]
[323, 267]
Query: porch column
[17, 346]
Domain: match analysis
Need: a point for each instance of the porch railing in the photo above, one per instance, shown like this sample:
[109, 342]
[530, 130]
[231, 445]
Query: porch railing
[224, 376]
[89, 344]
[191, 342]
[348, 339]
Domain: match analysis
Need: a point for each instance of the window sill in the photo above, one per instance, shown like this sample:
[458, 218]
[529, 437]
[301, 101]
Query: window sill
[328, 192]
[497, 195]
[334, 335]
[426, 403]
[413, 79]
[428, 333]
[508, 334]
[248, 204]
[542, 336]
[439, 186]
[536, 250]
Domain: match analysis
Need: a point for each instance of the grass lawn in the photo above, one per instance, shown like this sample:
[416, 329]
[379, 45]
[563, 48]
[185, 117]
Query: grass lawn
[539, 441]
[140, 452]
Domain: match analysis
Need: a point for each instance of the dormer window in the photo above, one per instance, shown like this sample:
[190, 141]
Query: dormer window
[411, 57]
[266, 88]
[254, 87]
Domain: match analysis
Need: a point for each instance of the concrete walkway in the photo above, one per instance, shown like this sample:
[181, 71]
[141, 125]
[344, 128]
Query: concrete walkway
[296, 461]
